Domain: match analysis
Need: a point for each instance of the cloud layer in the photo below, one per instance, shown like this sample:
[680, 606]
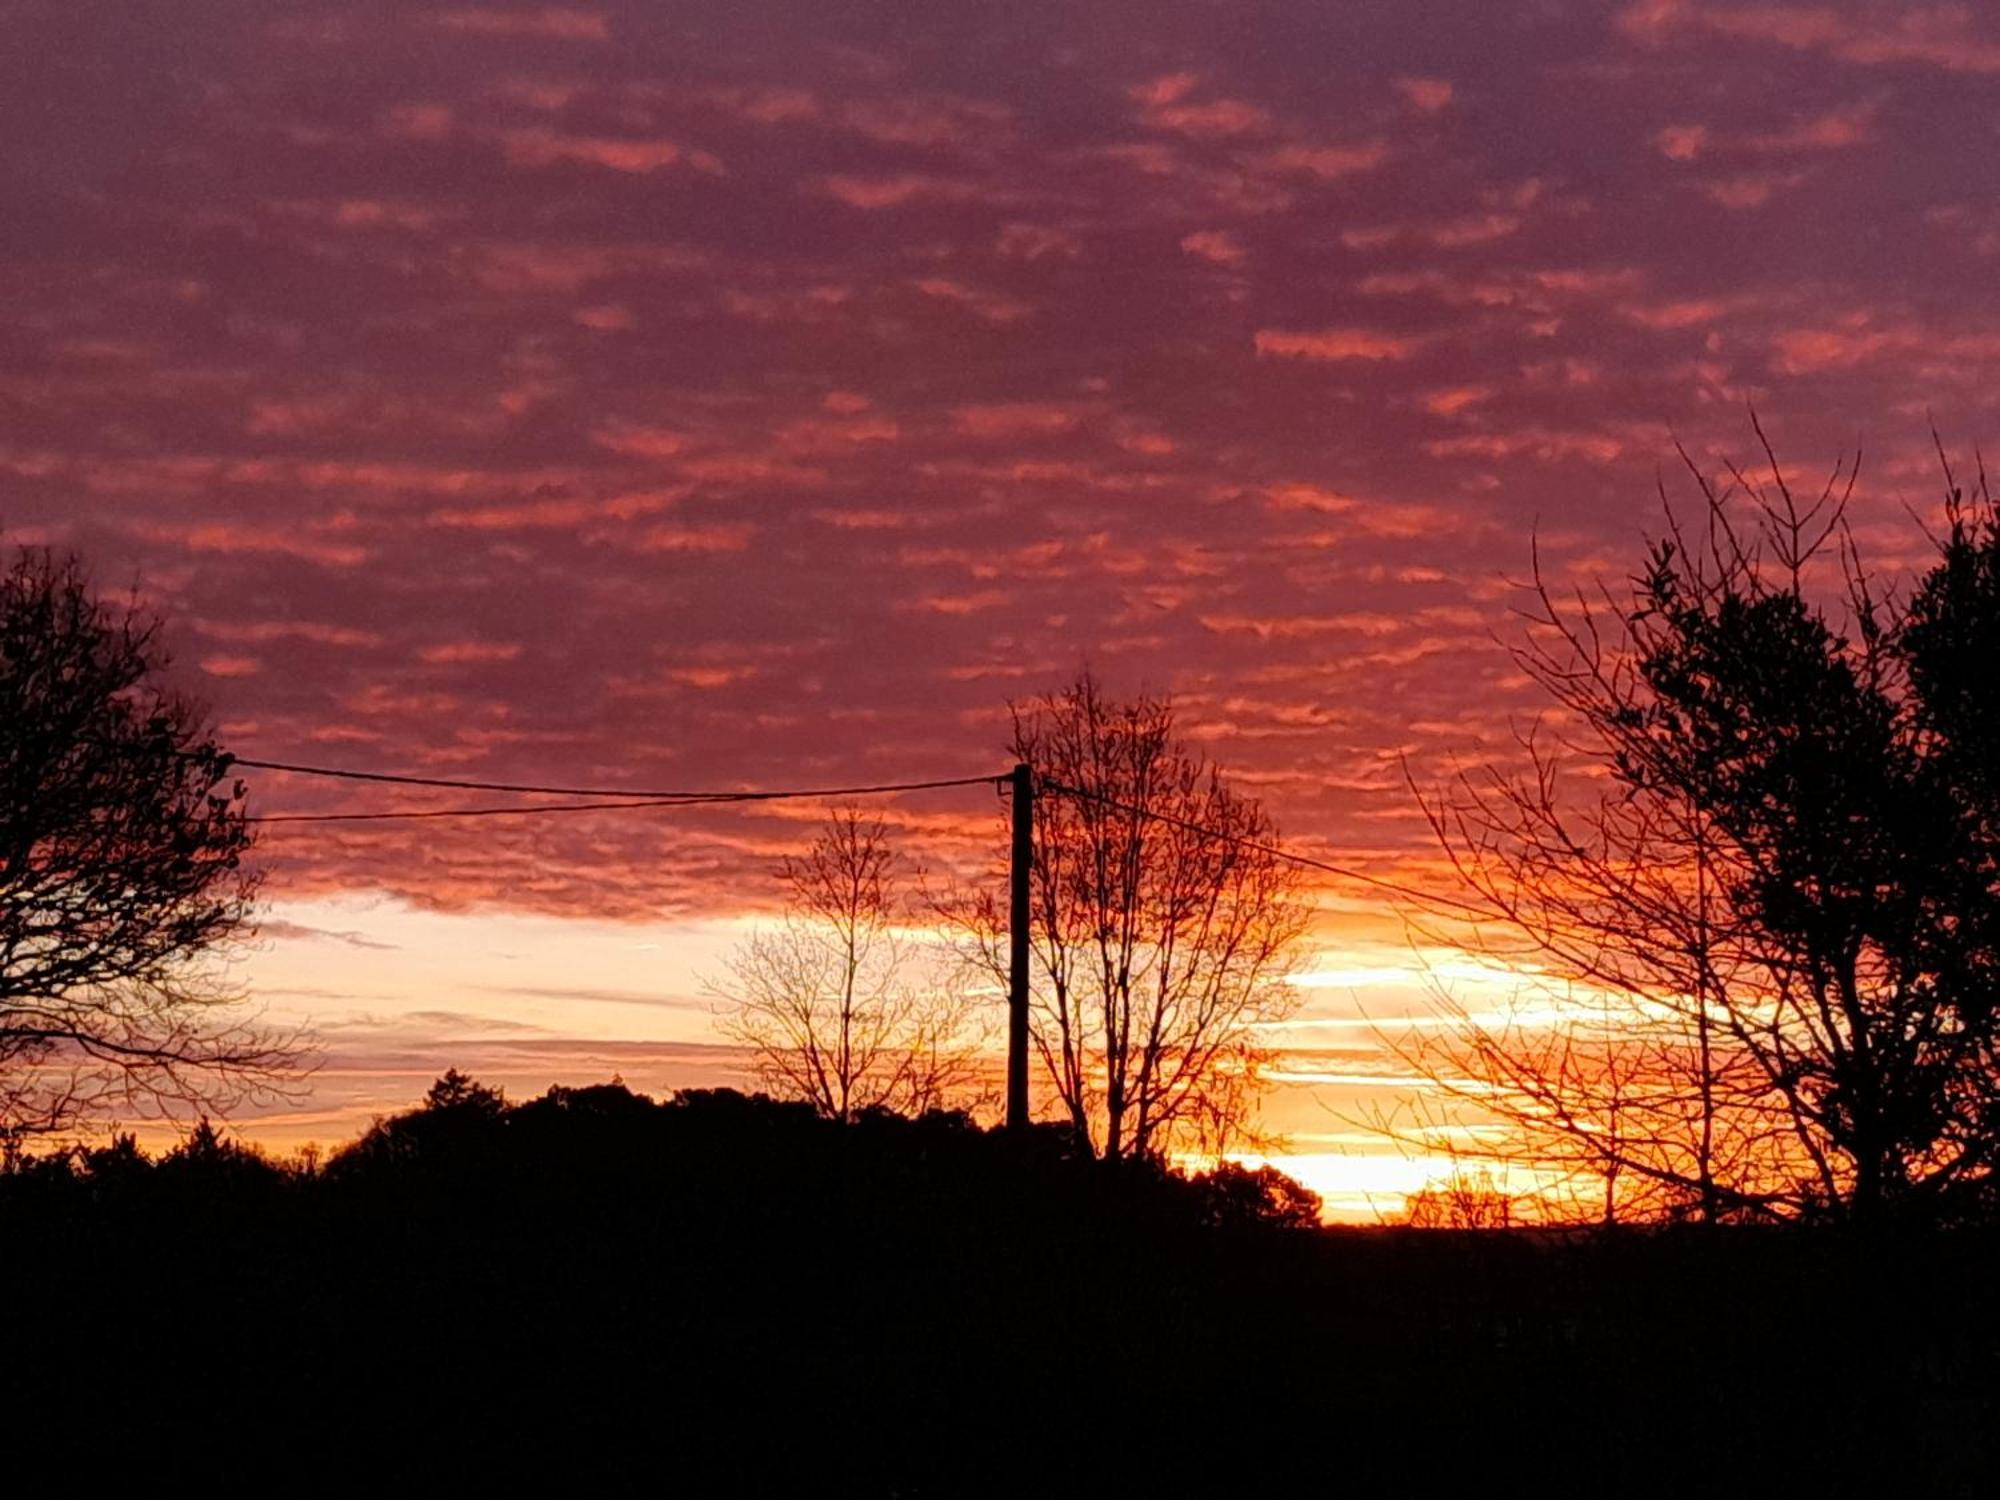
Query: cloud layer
[764, 394]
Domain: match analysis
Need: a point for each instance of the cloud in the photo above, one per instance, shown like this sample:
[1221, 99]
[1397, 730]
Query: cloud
[550, 23]
[988, 306]
[1681, 142]
[1327, 162]
[463, 653]
[896, 191]
[1937, 36]
[541, 148]
[552, 411]
[278, 930]
[1012, 419]
[1218, 246]
[1427, 94]
[1334, 344]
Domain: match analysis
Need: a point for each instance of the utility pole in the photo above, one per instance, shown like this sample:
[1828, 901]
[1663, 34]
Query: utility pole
[1022, 856]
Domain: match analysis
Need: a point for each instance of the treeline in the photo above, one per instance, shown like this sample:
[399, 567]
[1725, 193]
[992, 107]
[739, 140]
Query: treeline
[760, 1163]
[723, 1293]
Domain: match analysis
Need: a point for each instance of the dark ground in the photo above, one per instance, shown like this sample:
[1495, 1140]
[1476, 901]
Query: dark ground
[724, 1295]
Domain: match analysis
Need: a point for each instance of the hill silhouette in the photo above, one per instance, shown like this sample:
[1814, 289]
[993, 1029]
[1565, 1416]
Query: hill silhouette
[719, 1292]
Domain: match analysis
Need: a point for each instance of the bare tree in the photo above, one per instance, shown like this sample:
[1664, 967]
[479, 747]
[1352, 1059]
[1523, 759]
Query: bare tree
[1164, 927]
[837, 1005]
[1469, 1198]
[122, 877]
[1783, 879]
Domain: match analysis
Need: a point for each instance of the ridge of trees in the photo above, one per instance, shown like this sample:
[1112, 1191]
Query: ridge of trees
[702, 1150]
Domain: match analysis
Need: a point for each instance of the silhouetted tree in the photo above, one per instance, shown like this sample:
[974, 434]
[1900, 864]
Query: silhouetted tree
[456, 1092]
[122, 844]
[1467, 1199]
[1239, 1197]
[1162, 935]
[1791, 881]
[836, 1004]
[456, 1126]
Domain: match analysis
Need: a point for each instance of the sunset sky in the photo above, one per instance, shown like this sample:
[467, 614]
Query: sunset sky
[756, 393]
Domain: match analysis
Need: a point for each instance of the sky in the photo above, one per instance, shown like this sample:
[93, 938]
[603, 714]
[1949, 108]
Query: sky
[664, 395]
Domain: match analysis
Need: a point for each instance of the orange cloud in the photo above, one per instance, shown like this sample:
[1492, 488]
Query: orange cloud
[1334, 344]
[462, 653]
[1328, 162]
[731, 536]
[1681, 142]
[1166, 89]
[231, 666]
[1012, 419]
[1455, 399]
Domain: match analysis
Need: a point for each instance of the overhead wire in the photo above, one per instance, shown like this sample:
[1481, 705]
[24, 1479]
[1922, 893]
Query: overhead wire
[630, 793]
[613, 799]
[1345, 872]
[478, 812]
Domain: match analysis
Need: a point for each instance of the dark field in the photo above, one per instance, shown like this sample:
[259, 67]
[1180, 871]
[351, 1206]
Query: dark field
[593, 1292]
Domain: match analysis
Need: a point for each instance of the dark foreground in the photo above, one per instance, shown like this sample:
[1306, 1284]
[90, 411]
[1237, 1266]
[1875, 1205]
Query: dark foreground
[723, 1295]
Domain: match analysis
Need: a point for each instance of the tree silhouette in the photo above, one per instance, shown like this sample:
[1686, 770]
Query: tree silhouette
[836, 1004]
[122, 845]
[1466, 1199]
[1791, 882]
[1160, 936]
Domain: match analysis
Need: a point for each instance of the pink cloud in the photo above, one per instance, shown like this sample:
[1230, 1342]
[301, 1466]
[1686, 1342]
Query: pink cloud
[469, 653]
[1940, 36]
[1835, 130]
[635, 440]
[550, 22]
[1034, 241]
[1681, 142]
[231, 666]
[990, 306]
[732, 536]
[252, 541]
[606, 318]
[1334, 344]
[1012, 419]
[541, 148]
[894, 192]
[923, 122]
[1750, 189]
[1452, 400]
[1328, 162]
[1218, 117]
[1427, 94]
[1216, 245]
[420, 122]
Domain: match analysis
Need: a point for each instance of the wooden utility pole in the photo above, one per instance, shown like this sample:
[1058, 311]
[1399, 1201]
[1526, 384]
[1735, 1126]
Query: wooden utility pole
[1022, 856]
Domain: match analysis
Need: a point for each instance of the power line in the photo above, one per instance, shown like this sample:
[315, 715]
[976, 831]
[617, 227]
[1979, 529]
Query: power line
[484, 812]
[638, 799]
[1274, 850]
[630, 794]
